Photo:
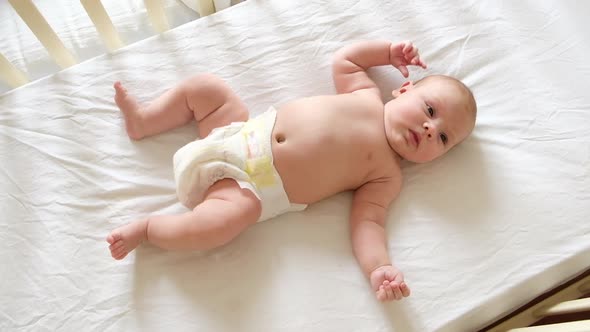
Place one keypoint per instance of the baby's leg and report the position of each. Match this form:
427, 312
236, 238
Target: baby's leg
226, 211
203, 97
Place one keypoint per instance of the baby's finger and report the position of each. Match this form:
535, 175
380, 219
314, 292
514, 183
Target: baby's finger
416, 60
408, 47
405, 289
388, 275
404, 70
381, 296
397, 292
398, 48
389, 292
412, 54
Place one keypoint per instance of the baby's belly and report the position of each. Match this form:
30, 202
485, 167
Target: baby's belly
320, 149
309, 177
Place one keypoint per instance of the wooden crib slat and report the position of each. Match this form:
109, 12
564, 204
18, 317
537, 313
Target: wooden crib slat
566, 307
579, 326
530, 315
37, 23
221, 4
10, 74
205, 7
157, 15
103, 24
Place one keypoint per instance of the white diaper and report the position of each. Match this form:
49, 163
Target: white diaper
239, 151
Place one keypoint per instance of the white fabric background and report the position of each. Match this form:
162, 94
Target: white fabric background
500, 219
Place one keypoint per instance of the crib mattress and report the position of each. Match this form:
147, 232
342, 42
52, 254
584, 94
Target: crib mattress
497, 221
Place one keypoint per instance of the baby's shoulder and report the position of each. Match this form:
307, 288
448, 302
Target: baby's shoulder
389, 173
381, 190
369, 97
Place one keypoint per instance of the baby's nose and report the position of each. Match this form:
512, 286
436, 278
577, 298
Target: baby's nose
429, 129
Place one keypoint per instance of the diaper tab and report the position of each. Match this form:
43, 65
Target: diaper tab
259, 161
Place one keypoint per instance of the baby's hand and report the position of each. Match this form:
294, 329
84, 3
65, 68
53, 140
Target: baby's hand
405, 54
388, 283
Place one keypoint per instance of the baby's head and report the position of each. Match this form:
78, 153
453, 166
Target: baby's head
427, 118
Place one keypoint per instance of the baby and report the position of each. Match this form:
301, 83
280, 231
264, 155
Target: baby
243, 171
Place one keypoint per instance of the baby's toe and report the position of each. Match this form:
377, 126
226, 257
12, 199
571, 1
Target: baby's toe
114, 237
119, 253
119, 87
116, 246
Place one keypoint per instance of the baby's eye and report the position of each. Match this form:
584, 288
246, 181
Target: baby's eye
444, 138
430, 110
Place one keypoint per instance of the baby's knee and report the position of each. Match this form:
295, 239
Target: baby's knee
204, 79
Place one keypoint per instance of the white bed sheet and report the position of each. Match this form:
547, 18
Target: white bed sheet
497, 221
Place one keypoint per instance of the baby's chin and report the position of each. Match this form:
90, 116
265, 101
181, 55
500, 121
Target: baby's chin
416, 159
410, 158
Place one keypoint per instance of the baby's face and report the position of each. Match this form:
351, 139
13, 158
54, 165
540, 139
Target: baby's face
426, 120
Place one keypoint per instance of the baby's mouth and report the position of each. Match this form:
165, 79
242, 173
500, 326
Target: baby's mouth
415, 137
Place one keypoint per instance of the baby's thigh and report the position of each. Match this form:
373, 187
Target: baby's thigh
243, 207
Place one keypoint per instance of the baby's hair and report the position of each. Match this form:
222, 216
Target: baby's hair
471, 104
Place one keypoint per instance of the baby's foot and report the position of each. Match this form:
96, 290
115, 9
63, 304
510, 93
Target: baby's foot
126, 238
131, 111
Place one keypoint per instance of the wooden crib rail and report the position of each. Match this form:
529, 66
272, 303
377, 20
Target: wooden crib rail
37, 23
579, 326
103, 24
567, 307
156, 14
10, 74
571, 298
29, 13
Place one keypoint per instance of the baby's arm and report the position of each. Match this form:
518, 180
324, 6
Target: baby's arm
369, 244
351, 62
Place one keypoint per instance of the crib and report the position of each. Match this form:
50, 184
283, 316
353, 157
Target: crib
492, 237
105, 30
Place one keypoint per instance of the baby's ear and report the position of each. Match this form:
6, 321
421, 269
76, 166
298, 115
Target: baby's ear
402, 89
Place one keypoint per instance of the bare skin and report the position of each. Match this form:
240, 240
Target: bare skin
321, 146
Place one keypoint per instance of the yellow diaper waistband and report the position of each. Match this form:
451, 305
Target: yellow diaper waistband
259, 161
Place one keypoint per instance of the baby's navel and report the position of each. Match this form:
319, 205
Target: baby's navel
280, 138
